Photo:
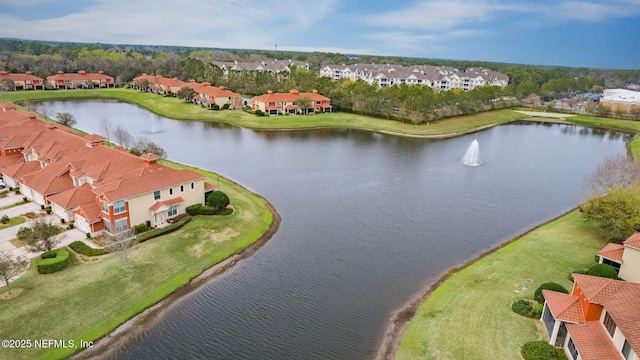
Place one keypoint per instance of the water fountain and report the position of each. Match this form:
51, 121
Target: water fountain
471, 156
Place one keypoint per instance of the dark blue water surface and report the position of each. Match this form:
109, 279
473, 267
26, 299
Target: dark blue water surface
368, 221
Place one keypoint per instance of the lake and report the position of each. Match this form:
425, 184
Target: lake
368, 222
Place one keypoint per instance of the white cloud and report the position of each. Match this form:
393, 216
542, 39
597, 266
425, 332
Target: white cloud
433, 15
221, 23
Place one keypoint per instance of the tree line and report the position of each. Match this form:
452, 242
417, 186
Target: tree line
407, 103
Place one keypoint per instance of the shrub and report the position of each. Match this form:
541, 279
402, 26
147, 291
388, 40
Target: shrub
225, 106
5, 219
48, 209
42, 206
225, 211
258, 112
215, 107
194, 209
16, 190
70, 226
603, 270
526, 308
538, 350
148, 222
49, 254
139, 229
88, 235
208, 210
218, 200
51, 265
62, 220
165, 230
521, 307
536, 312
84, 249
548, 286
24, 198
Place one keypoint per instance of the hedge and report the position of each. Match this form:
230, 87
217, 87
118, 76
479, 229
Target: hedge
53, 264
165, 230
603, 270
140, 228
526, 308
537, 296
84, 249
199, 209
538, 350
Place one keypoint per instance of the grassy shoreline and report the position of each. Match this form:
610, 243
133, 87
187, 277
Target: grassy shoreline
174, 108
476, 298
94, 296
473, 302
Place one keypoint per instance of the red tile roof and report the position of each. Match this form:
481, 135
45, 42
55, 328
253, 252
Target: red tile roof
21, 169
619, 299
91, 212
145, 180
20, 77
633, 240
160, 80
169, 202
593, 342
80, 75
612, 252
564, 307
291, 96
209, 186
72, 198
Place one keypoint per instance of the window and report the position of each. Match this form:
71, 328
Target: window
572, 349
278, 104
107, 225
156, 195
193, 186
627, 351
609, 324
181, 188
318, 102
173, 210
105, 207
121, 225
118, 207
170, 191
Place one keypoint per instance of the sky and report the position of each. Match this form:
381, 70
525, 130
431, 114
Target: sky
577, 33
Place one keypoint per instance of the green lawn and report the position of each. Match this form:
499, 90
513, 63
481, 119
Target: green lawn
13, 222
92, 297
177, 109
469, 315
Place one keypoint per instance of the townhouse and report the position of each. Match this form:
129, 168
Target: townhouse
158, 84
599, 320
272, 66
625, 257
26, 81
101, 189
80, 80
207, 95
437, 77
293, 102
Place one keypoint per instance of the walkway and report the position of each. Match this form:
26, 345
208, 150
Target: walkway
9, 234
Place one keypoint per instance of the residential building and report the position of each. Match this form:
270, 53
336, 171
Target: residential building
207, 95
620, 99
80, 80
624, 258
26, 81
599, 320
159, 84
280, 103
272, 66
98, 187
437, 77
